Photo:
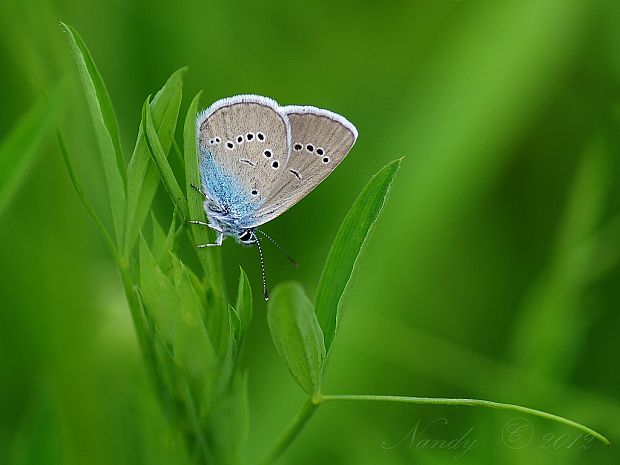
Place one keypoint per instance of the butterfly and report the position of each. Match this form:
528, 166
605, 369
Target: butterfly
257, 159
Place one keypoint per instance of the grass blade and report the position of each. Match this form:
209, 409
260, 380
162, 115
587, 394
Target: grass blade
78, 189
297, 335
347, 246
106, 128
157, 152
210, 258
244, 304
142, 174
18, 150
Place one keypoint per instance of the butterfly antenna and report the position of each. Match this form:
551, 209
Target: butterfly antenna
262, 269
290, 259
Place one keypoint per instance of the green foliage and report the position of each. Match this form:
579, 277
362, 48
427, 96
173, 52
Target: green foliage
18, 149
142, 174
493, 271
106, 129
297, 335
190, 336
156, 150
346, 248
189, 339
244, 305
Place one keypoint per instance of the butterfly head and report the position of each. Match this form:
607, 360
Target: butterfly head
247, 237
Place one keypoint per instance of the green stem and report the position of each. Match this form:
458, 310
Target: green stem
470, 403
291, 432
139, 322
193, 416
296, 425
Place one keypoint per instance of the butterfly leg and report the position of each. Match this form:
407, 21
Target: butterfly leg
199, 222
218, 241
213, 226
199, 190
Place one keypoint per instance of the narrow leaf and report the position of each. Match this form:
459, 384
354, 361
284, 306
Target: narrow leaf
142, 174
346, 248
297, 335
209, 258
106, 128
80, 192
193, 350
161, 301
235, 323
244, 304
157, 152
163, 243
20, 147
229, 422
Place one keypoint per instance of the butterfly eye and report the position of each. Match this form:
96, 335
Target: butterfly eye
249, 136
275, 164
319, 151
267, 153
230, 145
261, 136
297, 147
310, 148
325, 160
239, 139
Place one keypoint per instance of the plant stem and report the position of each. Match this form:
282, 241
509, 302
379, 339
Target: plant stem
296, 425
470, 403
291, 431
139, 323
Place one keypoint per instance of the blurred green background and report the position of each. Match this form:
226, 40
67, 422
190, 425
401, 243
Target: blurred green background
493, 271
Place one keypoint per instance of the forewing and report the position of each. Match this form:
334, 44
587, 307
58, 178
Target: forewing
244, 143
320, 139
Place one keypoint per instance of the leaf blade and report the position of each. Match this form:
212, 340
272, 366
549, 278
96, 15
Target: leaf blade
347, 246
18, 150
209, 258
82, 196
297, 335
106, 128
244, 304
159, 157
142, 175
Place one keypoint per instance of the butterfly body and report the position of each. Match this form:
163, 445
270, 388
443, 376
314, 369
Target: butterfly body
258, 158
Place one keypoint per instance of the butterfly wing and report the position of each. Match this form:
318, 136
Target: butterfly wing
244, 143
320, 139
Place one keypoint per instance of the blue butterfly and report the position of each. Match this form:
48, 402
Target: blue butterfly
257, 159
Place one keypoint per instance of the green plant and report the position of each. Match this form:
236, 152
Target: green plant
189, 332
18, 149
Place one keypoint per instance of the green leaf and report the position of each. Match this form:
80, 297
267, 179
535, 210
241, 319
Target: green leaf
142, 174
193, 351
244, 304
229, 422
106, 128
235, 323
174, 304
157, 152
80, 192
297, 335
209, 258
163, 243
19, 149
346, 248
159, 296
